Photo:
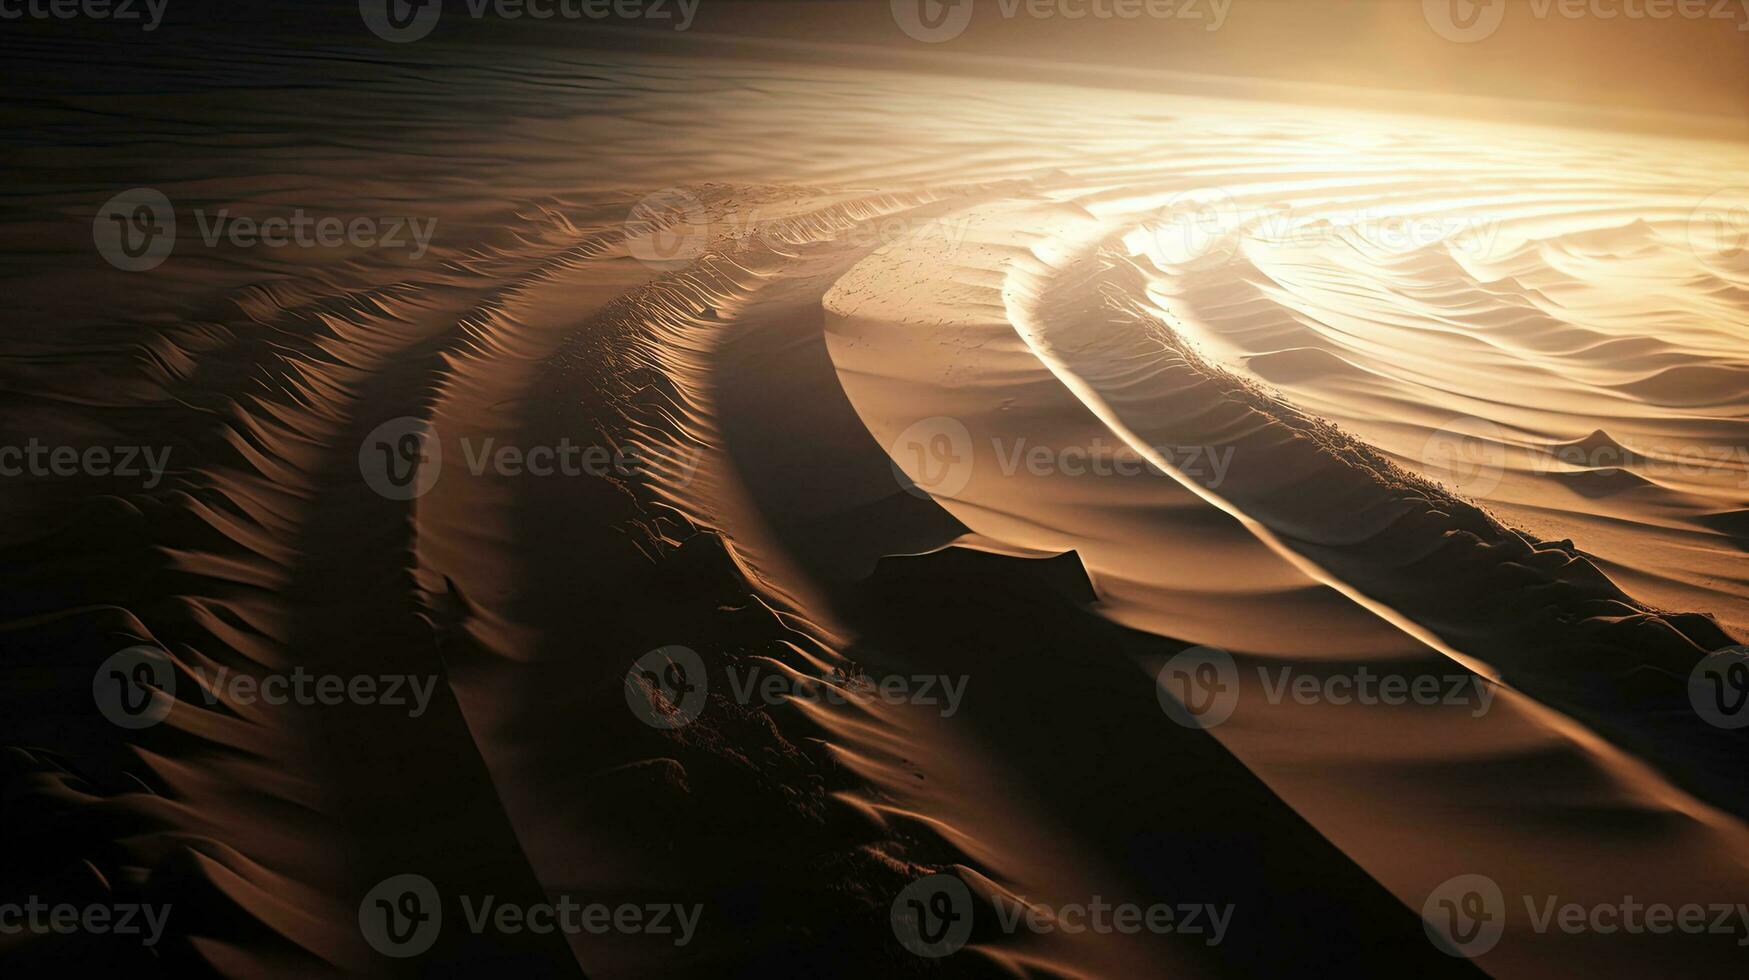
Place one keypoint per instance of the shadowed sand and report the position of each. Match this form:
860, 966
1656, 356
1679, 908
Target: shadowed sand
1283, 320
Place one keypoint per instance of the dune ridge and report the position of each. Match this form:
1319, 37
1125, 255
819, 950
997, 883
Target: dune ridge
1218, 288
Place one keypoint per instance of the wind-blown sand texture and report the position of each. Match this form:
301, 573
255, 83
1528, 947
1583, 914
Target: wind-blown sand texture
816, 261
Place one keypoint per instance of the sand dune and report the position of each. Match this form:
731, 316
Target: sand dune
998, 381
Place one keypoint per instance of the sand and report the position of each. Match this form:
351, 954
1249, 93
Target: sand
1018, 385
